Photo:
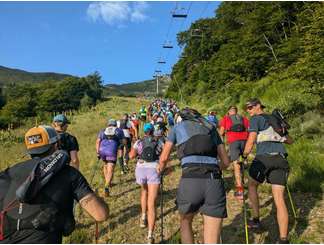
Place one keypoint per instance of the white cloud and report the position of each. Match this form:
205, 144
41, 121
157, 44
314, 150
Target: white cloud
117, 13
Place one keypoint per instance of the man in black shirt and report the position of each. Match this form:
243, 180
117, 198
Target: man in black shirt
36, 196
68, 142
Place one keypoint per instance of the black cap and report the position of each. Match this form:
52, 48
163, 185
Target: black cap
254, 102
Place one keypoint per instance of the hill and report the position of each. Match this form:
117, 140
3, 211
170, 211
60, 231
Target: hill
123, 223
147, 87
9, 75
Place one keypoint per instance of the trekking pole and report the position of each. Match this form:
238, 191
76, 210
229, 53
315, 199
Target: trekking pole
291, 202
91, 180
161, 205
244, 206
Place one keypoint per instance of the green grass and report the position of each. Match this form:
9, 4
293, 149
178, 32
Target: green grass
123, 223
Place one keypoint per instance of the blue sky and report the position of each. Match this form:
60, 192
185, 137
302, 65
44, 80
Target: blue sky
121, 40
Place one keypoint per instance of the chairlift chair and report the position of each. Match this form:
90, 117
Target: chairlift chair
179, 14
161, 62
196, 33
167, 45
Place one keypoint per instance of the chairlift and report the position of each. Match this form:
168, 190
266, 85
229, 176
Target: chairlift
167, 45
179, 14
158, 71
161, 62
196, 33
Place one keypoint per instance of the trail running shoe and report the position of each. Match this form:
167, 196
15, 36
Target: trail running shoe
283, 241
143, 223
254, 224
107, 191
150, 240
239, 193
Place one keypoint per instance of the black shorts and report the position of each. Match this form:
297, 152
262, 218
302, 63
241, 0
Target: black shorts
273, 168
236, 149
205, 195
110, 161
126, 142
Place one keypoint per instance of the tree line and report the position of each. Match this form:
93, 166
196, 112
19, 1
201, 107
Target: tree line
252, 47
18, 102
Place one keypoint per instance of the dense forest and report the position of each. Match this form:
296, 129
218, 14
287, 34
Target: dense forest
23, 100
270, 50
263, 49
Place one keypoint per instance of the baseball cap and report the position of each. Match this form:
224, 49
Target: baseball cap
61, 118
112, 122
39, 139
148, 127
254, 102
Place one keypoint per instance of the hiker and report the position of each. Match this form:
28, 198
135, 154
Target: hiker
108, 141
134, 131
125, 124
148, 150
143, 113
211, 117
201, 187
235, 127
68, 142
36, 196
269, 164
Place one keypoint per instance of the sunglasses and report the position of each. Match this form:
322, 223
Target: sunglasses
248, 108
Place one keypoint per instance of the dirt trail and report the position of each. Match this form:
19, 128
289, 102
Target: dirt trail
123, 224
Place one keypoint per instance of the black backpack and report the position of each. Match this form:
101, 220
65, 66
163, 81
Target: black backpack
193, 115
149, 152
277, 121
237, 123
16, 195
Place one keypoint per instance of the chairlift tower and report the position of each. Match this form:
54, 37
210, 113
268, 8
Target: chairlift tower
157, 72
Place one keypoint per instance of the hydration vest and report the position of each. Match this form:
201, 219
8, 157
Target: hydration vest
149, 149
237, 123
201, 144
109, 144
277, 130
19, 203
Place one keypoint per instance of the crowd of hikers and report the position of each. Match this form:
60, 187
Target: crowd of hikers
37, 196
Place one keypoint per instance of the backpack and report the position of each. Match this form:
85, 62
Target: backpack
193, 115
16, 195
149, 149
237, 123
109, 144
277, 130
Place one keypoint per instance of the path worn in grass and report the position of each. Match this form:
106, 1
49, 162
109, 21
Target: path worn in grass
123, 224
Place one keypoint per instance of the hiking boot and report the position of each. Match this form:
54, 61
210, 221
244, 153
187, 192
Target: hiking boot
143, 223
239, 193
107, 191
150, 240
254, 224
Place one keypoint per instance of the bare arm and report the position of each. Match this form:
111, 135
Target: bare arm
95, 206
132, 153
164, 157
74, 159
221, 131
221, 152
249, 143
97, 145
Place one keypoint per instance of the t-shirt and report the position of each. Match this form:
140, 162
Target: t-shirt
257, 124
68, 142
138, 146
128, 126
184, 130
226, 123
65, 187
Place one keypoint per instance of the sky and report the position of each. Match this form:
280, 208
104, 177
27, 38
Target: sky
121, 40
